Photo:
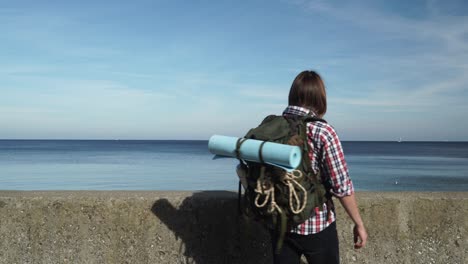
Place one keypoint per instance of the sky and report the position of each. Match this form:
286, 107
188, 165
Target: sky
191, 69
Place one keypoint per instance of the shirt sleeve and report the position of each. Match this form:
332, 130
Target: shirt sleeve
334, 164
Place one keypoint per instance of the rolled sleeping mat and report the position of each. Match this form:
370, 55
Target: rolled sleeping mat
281, 155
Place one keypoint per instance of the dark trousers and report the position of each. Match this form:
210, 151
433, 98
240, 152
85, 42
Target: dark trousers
317, 248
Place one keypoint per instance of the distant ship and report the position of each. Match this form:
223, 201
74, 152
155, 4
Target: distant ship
399, 140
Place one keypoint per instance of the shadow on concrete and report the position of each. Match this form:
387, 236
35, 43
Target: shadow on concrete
212, 231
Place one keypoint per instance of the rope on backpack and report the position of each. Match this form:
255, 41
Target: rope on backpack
266, 188
290, 179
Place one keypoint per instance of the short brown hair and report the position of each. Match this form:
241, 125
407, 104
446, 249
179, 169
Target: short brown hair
308, 90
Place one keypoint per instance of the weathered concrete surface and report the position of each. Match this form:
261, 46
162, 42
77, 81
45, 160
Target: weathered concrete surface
203, 227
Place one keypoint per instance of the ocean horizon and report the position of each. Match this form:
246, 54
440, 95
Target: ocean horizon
138, 164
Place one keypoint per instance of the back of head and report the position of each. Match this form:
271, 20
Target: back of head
308, 90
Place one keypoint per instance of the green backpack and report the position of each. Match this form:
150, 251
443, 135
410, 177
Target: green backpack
276, 198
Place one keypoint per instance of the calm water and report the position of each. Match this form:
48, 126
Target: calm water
187, 165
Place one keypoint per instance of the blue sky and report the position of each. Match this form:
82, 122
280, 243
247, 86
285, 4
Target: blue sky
190, 69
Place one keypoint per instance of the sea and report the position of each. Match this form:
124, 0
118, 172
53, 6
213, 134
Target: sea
188, 165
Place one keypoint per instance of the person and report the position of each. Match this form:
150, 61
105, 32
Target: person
317, 237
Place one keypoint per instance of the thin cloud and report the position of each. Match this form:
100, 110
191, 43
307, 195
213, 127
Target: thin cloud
431, 78
49, 33
262, 93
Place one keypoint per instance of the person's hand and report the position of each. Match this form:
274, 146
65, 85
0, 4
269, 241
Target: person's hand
360, 236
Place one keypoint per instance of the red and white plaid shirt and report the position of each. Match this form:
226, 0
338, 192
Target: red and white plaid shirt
327, 156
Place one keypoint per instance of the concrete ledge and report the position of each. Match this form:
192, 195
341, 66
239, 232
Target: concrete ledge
203, 227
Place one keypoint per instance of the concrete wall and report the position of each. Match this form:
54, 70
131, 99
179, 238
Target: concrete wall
203, 227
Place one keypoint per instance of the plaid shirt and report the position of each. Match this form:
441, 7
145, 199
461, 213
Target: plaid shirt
327, 156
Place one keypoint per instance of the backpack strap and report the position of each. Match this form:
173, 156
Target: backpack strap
238, 145
282, 232
242, 163
260, 149
328, 196
239, 197
310, 118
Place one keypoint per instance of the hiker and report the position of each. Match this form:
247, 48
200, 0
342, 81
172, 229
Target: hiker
316, 238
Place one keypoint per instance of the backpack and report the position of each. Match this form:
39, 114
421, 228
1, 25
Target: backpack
276, 198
